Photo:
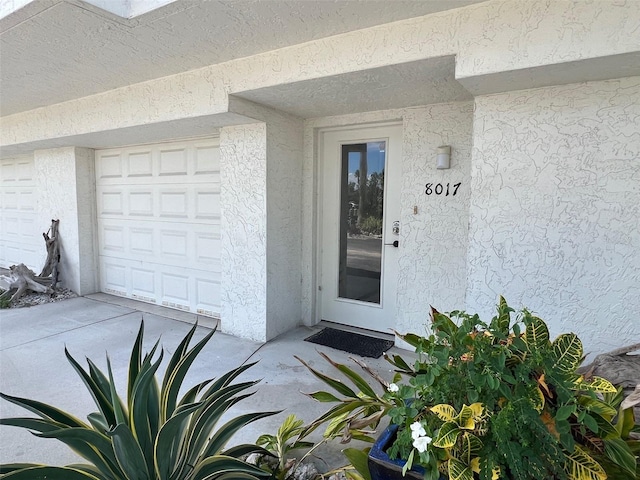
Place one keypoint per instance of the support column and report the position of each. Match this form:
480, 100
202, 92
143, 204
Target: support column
261, 204
243, 202
65, 186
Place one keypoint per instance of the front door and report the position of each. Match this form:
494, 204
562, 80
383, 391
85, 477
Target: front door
360, 226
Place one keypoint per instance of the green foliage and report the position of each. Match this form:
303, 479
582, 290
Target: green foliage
5, 301
541, 419
357, 412
495, 400
357, 468
283, 442
371, 226
152, 434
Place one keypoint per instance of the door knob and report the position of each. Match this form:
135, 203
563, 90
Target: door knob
394, 243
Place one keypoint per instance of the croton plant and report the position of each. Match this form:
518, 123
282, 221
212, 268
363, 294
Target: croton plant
495, 400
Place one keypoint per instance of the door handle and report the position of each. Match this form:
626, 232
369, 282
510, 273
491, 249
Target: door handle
395, 243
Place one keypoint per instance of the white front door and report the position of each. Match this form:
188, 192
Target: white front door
360, 213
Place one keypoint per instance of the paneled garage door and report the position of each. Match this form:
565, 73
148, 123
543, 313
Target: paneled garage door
20, 238
159, 224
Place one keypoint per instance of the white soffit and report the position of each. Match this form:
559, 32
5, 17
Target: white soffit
52, 51
409, 84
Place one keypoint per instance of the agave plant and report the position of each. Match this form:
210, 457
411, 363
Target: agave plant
154, 435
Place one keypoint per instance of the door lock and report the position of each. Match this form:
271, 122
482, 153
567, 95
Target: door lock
395, 229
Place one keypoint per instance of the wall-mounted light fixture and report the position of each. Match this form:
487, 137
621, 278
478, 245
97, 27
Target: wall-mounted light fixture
443, 158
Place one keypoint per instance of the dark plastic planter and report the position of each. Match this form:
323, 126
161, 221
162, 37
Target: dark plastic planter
381, 467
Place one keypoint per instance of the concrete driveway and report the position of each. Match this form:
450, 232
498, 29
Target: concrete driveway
33, 365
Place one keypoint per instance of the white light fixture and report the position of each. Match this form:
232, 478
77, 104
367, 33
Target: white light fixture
443, 158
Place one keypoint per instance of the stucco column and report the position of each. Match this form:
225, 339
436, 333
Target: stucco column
65, 186
261, 173
243, 205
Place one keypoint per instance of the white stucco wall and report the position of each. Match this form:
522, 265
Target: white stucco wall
65, 182
433, 261
284, 193
243, 207
555, 208
490, 37
541, 225
261, 188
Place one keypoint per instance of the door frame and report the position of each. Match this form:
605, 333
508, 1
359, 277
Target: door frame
319, 209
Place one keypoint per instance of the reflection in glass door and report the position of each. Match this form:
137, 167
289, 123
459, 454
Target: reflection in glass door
361, 221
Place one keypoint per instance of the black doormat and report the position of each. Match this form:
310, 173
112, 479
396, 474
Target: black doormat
362, 345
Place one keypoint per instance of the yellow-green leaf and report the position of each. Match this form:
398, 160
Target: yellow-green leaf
580, 466
475, 465
598, 406
470, 447
626, 422
443, 323
567, 351
459, 471
536, 334
596, 384
536, 397
504, 318
466, 419
447, 435
477, 409
444, 412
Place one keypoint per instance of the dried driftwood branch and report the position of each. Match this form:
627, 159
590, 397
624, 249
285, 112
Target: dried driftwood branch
53, 253
617, 366
21, 279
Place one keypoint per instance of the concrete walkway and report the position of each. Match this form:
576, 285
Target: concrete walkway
33, 365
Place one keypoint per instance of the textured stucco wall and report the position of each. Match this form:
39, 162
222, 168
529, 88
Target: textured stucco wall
504, 35
555, 208
65, 182
261, 188
434, 240
433, 262
284, 192
243, 206
494, 36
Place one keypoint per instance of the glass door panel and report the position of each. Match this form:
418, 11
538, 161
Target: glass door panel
361, 221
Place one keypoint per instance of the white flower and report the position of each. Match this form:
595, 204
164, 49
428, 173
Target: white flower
421, 443
393, 388
417, 430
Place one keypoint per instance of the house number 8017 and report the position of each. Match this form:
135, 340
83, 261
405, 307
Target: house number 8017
442, 189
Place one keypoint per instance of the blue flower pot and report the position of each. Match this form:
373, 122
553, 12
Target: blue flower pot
381, 467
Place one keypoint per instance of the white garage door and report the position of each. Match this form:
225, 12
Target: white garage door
159, 224
20, 238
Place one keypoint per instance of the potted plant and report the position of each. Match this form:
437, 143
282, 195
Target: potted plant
498, 400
